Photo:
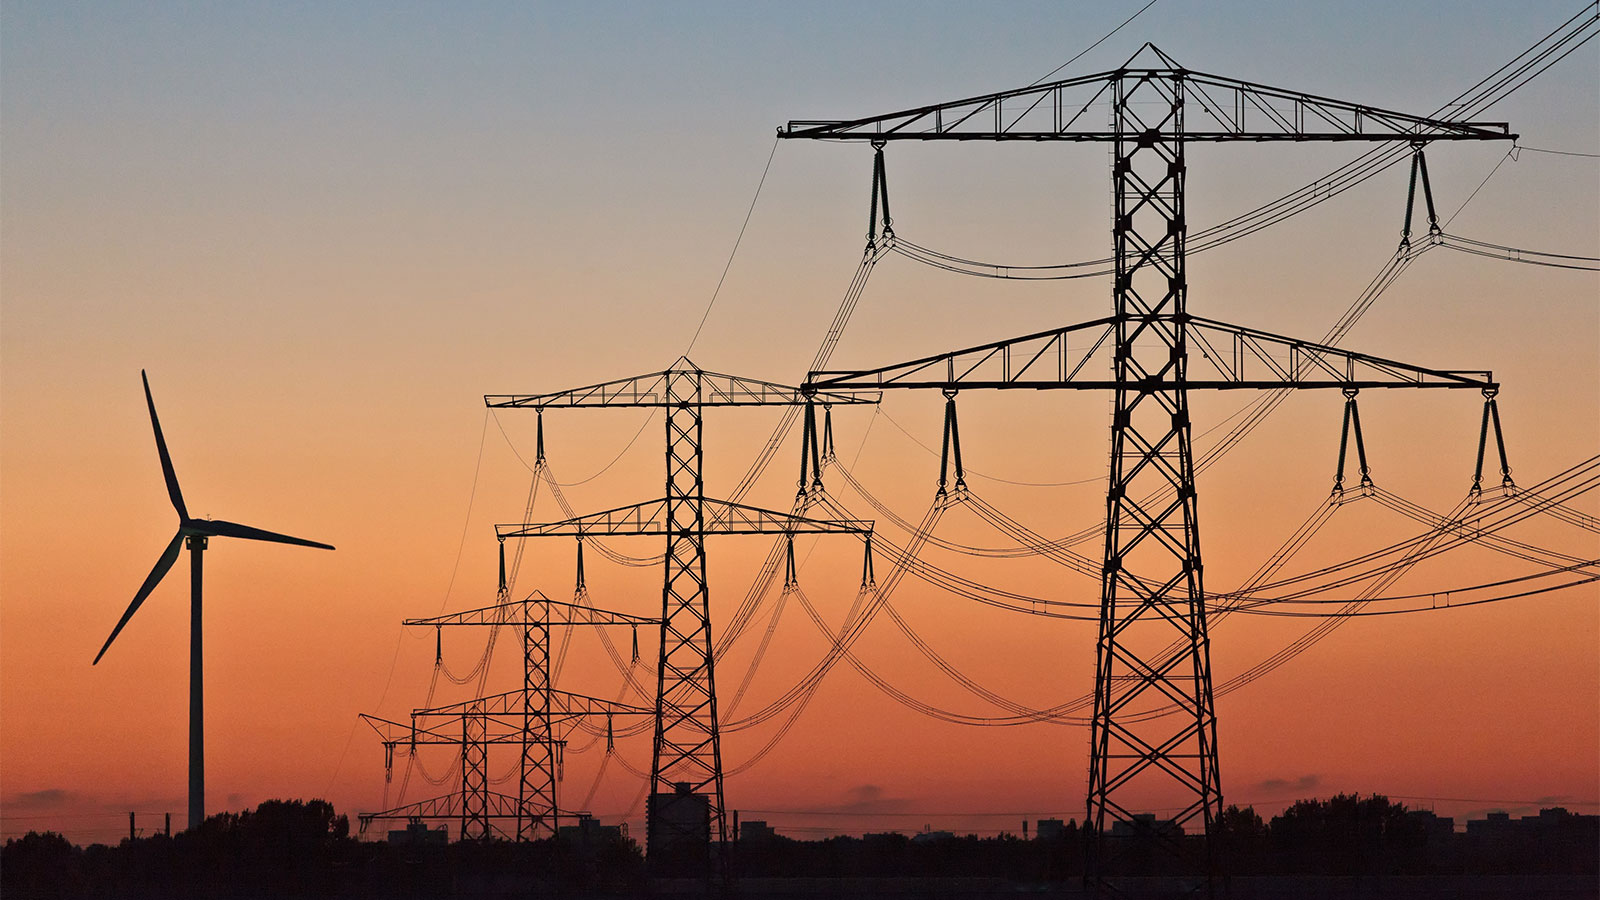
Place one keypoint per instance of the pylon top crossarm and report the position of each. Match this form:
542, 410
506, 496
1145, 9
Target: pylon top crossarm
563, 704
445, 730
1218, 109
391, 732
721, 517
517, 612
1239, 358
447, 806
651, 390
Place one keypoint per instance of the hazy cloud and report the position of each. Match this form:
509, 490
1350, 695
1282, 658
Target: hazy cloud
44, 799
869, 798
1287, 785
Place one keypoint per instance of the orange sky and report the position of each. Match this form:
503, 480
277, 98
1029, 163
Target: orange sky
326, 235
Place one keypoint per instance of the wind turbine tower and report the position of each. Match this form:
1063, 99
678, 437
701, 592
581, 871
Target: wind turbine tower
194, 534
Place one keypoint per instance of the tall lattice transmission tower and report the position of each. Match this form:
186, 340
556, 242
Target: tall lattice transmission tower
1154, 721
686, 763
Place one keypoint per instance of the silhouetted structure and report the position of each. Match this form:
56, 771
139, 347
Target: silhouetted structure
1344, 846
531, 719
754, 831
192, 533
419, 834
688, 744
678, 830
1153, 654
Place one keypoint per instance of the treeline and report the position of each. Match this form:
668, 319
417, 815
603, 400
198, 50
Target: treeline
1343, 835
290, 848
1348, 834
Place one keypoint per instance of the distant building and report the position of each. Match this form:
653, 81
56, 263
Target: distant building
418, 834
1050, 830
1497, 823
1437, 828
678, 823
588, 830
755, 831
1145, 824
1552, 818
932, 837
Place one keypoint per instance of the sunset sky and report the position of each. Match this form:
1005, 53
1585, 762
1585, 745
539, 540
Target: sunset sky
326, 230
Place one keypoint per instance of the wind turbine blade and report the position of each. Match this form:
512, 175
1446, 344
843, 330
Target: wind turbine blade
166, 458
168, 557
220, 528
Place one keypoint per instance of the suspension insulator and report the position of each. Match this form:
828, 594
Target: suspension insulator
1361, 445
502, 565
1411, 198
789, 579
809, 462
1491, 414
1344, 445
867, 579
635, 643
1352, 425
952, 445
581, 584
880, 197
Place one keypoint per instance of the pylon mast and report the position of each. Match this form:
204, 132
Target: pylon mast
1152, 597
529, 718
687, 753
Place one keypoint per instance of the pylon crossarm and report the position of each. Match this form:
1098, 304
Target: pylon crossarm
510, 704
1248, 357
1044, 357
721, 517
535, 609
394, 733
448, 806
1239, 358
444, 729
714, 389
637, 518
1220, 109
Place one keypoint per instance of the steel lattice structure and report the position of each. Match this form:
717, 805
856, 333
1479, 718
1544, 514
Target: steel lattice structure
529, 718
687, 746
1151, 577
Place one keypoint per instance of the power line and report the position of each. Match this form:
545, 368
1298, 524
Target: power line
736, 241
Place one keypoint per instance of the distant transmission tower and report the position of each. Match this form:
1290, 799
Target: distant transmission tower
687, 757
1154, 723
532, 719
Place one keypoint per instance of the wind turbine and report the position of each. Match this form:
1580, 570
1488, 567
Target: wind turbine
194, 533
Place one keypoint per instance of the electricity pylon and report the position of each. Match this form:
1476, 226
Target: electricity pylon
1151, 591
531, 718
687, 750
